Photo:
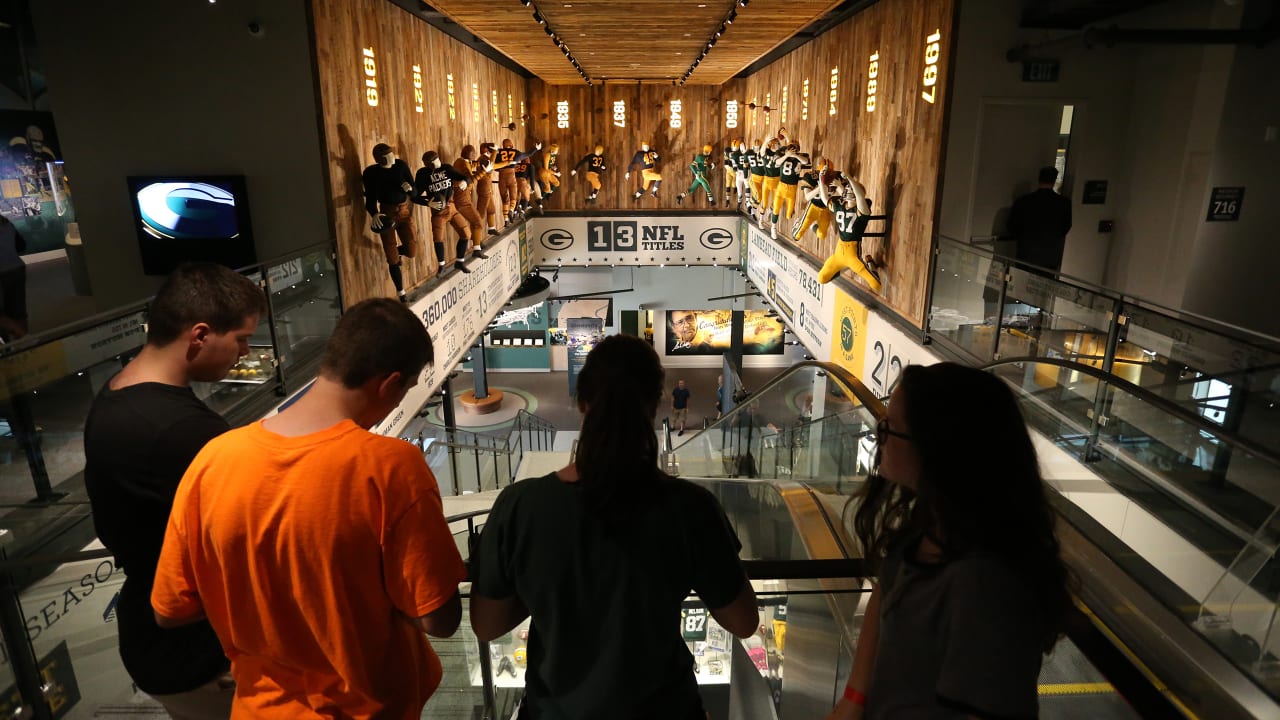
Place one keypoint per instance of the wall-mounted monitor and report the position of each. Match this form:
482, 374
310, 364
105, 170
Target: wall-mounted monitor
191, 218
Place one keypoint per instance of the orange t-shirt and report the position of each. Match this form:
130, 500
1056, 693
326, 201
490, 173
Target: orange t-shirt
308, 554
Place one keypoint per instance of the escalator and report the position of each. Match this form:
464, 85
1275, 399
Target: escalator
1175, 587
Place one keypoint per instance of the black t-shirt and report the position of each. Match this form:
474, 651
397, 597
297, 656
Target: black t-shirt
138, 442
680, 398
385, 186
605, 599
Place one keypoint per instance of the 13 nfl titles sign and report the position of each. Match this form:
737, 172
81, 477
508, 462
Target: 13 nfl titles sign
791, 286
633, 240
455, 313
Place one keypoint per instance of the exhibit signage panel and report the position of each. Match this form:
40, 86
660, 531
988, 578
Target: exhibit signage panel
455, 312
889, 350
849, 331
633, 240
791, 286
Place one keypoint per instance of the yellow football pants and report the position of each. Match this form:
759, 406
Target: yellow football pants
815, 215
846, 258
757, 187
767, 188
730, 179
784, 195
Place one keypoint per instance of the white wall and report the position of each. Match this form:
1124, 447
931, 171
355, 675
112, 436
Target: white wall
1145, 117
155, 87
1234, 271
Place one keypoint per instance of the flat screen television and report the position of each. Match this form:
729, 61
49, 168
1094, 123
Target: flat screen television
191, 218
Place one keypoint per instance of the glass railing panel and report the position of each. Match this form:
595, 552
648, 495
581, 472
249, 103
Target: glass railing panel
70, 622
1189, 514
803, 425
1224, 379
966, 295
1046, 317
305, 305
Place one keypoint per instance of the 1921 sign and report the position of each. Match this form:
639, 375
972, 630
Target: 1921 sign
1224, 204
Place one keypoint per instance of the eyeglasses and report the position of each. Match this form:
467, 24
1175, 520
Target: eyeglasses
883, 431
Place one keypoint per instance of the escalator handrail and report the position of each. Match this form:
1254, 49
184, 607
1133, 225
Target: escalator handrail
1243, 334
1162, 403
851, 383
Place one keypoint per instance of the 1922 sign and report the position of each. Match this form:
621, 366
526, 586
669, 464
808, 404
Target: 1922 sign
1224, 204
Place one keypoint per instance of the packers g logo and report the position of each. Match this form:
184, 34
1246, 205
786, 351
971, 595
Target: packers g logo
556, 239
847, 334
716, 239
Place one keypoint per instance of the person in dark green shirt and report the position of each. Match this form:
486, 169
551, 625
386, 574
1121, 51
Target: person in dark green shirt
601, 555
699, 167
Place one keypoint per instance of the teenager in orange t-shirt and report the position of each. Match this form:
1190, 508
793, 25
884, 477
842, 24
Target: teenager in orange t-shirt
316, 549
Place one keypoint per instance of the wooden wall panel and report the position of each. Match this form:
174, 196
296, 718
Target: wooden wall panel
648, 114
352, 126
895, 151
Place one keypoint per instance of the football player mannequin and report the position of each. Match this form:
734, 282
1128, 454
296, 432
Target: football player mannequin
388, 186
700, 166
791, 166
549, 170
772, 155
730, 169
851, 211
755, 165
437, 183
524, 188
476, 178
505, 160
647, 161
817, 189
493, 210
595, 164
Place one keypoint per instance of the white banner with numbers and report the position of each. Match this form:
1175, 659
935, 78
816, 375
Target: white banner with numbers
633, 240
455, 312
791, 287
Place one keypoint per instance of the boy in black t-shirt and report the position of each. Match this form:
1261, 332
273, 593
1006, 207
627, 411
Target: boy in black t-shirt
143, 430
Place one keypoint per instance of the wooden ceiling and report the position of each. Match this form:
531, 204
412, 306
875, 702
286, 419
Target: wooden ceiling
647, 40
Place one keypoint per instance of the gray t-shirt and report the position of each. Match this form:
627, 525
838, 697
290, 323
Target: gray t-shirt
956, 639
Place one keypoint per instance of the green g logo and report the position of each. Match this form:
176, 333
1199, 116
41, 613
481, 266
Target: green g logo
846, 333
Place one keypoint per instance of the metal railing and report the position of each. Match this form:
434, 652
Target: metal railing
469, 462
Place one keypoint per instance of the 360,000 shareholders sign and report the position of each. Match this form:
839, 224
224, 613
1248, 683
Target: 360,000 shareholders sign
633, 240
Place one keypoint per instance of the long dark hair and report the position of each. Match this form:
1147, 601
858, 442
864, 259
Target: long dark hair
979, 487
619, 388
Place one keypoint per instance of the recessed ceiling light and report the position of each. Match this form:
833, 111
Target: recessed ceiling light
702, 4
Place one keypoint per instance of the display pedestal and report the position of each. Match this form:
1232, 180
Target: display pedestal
480, 406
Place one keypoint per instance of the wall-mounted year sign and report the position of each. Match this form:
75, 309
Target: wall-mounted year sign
676, 120
731, 114
562, 114
835, 87
417, 90
453, 102
370, 68
932, 53
873, 73
620, 113
804, 100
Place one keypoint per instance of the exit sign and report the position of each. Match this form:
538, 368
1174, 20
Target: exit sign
1039, 71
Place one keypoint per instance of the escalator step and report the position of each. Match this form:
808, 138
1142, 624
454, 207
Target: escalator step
1084, 688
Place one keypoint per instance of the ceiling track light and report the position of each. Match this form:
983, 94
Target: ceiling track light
525, 2
549, 31
537, 17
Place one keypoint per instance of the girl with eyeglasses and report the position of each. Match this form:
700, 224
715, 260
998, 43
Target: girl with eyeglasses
971, 589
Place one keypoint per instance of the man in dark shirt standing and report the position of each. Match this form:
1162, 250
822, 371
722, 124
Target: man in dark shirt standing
680, 404
143, 430
1039, 222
